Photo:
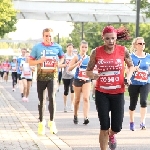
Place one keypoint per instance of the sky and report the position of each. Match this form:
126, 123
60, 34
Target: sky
32, 29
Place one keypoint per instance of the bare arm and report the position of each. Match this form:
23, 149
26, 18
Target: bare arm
61, 61
91, 65
33, 62
73, 63
128, 61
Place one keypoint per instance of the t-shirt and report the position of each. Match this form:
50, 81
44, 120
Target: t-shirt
26, 70
53, 53
141, 76
13, 67
6, 66
19, 59
67, 74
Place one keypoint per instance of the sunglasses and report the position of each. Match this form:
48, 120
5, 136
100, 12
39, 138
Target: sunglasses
141, 43
47, 35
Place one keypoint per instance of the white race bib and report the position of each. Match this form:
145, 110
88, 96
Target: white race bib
82, 74
49, 63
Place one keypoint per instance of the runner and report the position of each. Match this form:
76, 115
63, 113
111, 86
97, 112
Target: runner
26, 76
46, 55
13, 68
67, 77
82, 83
1, 71
6, 67
139, 81
109, 94
19, 59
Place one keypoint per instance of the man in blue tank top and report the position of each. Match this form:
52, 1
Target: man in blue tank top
47, 56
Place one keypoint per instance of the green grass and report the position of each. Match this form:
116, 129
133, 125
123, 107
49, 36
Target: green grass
127, 94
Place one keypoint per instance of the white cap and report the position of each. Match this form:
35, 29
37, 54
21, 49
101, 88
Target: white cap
14, 57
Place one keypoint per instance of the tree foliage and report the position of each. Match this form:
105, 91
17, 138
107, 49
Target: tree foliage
92, 34
144, 5
7, 17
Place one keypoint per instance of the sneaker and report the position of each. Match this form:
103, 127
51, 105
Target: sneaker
132, 127
75, 120
93, 96
52, 126
41, 127
142, 126
13, 90
86, 121
24, 99
112, 142
22, 95
72, 107
65, 109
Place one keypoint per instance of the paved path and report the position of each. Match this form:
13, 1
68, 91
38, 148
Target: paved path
18, 126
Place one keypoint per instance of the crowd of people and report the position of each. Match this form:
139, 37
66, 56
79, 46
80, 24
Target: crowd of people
107, 71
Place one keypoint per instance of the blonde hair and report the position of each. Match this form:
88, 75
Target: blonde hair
132, 48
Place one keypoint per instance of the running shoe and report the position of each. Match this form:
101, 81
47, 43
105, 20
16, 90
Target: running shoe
41, 127
132, 127
72, 107
86, 121
93, 96
112, 142
75, 120
65, 109
13, 90
142, 126
52, 126
24, 99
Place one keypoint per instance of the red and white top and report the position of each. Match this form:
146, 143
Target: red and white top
111, 70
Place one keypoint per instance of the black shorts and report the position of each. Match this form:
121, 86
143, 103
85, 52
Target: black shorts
1, 74
135, 91
19, 76
79, 83
26, 79
106, 103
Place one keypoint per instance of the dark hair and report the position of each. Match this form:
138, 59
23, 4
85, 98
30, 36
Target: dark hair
122, 32
47, 30
70, 44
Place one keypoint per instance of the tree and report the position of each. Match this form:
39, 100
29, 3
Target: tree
7, 17
145, 6
92, 34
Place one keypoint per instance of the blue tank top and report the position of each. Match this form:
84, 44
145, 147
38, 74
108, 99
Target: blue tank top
141, 76
81, 70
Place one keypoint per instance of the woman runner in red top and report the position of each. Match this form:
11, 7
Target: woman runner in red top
109, 94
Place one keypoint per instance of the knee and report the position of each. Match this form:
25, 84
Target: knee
66, 91
132, 108
85, 99
77, 100
143, 104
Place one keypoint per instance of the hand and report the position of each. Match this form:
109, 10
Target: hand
96, 76
43, 59
79, 62
136, 68
127, 81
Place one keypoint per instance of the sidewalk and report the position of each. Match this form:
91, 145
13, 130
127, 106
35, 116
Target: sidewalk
70, 136
14, 131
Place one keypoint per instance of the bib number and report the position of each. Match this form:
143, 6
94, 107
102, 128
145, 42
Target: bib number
82, 74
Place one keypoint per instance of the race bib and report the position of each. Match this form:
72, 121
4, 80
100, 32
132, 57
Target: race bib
68, 61
14, 68
49, 63
141, 75
27, 73
82, 74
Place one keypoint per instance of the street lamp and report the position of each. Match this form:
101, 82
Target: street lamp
138, 2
